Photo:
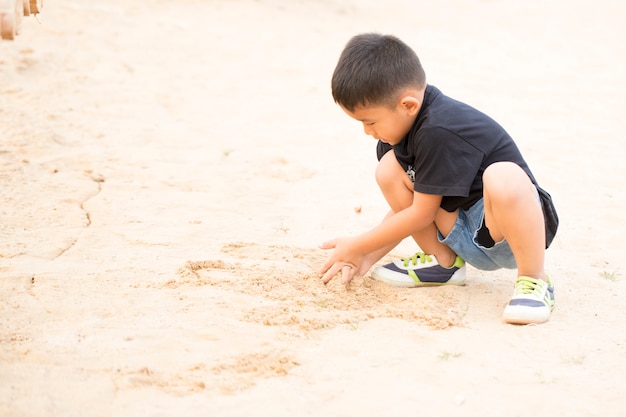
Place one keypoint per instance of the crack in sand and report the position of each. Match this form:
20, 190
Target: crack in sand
98, 179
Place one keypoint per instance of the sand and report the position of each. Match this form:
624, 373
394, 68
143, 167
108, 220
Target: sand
168, 169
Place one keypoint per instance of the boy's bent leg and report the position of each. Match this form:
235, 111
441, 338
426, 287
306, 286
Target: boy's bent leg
438, 264
397, 189
513, 212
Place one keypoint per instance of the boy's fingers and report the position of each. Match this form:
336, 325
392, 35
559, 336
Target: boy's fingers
331, 272
347, 273
330, 260
329, 263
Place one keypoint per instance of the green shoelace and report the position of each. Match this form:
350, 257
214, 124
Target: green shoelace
417, 258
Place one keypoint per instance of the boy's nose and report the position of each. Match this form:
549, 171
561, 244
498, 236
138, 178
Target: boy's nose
368, 130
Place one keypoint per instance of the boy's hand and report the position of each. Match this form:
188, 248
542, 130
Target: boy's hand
344, 259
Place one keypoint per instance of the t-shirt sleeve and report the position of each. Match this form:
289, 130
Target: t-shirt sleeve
445, 164
382, 148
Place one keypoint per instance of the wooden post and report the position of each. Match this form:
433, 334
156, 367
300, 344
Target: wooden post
11, 13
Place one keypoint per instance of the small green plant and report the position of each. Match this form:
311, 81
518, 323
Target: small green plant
611, 276
575, 359
444, 356
546, 380
323, 303
282, 227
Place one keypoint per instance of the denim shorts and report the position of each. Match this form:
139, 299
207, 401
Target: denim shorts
463, 240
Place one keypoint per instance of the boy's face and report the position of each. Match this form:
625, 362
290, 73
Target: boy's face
384, 123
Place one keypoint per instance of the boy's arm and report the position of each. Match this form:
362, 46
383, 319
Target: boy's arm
402, 224
351, 251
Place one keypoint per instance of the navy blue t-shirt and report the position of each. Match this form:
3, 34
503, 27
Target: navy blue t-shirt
448, 149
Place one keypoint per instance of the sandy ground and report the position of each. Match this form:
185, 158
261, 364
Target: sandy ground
167, 170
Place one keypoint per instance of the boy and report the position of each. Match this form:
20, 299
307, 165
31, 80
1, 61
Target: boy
453, 178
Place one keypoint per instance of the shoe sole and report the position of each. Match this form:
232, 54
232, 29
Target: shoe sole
522, 315
413, 284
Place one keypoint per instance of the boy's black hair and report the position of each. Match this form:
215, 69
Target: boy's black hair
372, 69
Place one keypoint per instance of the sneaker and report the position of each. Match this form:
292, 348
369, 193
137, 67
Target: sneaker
532, 301
420, 270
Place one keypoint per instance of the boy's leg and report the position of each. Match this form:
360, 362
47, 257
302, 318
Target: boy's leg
397, 189
513, 212
438, 264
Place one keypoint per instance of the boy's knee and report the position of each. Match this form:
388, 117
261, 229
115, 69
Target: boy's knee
382, 175
388, 170
506, 181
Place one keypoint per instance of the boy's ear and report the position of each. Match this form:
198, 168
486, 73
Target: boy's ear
410, 104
